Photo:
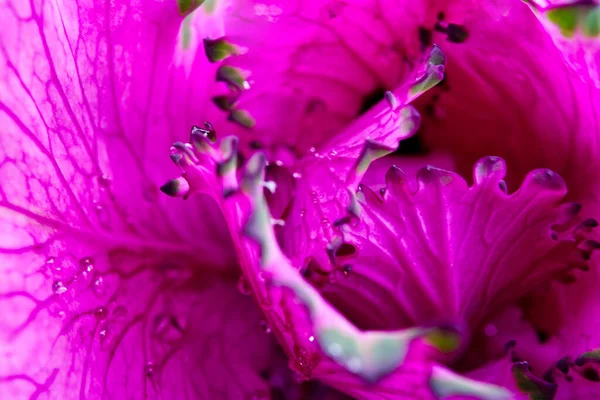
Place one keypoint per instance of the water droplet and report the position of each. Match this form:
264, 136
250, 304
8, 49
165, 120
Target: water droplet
346, 269
167, 328
55, 310
101, 313
103, 181
102, 215
311, 339
149, 369
297, 175
312, 150
263, 276
103, 335
302, 212
325, 223
314, 197
265, 326
98, 287
86, 264
59, 288
161, 323
53, 264
243, 286
333, 153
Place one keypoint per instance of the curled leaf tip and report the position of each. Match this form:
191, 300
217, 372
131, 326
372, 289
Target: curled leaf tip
446, 384
233, 76
432, 74
185, 7
531, 385
242, 118
220, 49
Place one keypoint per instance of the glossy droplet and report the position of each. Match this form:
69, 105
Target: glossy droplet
297, 175
150, 369
325, 223
161, 324
102, 215
86, 264
103, 335
101, 313
98, 286
302, 212
103, 181
53, 264
167, 328
265, 326
58, 287
314, 197
346, 269
311, 339
243, 286
262, 275
55, 310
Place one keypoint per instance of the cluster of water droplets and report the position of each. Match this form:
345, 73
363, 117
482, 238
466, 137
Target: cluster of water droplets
86, 274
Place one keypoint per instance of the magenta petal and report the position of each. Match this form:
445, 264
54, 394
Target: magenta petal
322, 344
309, 69
510, 93
410, 165
105, 283
126, 326
326, 173
450, 251
574, 27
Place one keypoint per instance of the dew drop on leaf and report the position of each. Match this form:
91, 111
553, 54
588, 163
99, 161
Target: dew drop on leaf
101, 313
98, 286
149, 369
103, 181
58, 287
103, 334
265, 326
86, 264
53, 264
102, 215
